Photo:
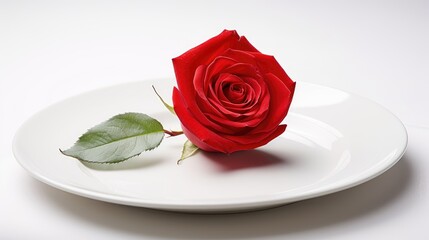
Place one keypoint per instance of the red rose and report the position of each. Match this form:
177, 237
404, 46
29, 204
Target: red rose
230, 96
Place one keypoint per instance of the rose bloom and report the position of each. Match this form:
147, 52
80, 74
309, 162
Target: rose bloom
230, 96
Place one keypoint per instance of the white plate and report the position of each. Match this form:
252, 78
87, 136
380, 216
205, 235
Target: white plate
334, 140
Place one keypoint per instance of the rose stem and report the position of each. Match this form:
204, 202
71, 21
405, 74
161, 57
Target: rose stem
173, 133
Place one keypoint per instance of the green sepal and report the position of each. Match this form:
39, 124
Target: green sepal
168, 106
188, 150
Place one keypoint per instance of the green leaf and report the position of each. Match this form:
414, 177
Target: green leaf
168, 106
119, 138
189, 149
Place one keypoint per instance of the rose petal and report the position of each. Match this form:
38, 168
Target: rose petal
198, 134
196, 104
254, 108
217, 94
245, 45
215, 68
256, 140
270, 65
203, 54
195, 110
242, 70
253, 95
236, 123
280, 99
241, 56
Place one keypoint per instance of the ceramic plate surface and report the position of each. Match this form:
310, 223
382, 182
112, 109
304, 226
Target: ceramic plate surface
334, 141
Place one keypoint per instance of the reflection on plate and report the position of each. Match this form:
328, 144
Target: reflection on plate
334, 141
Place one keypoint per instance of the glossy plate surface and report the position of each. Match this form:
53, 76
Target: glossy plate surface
334, 141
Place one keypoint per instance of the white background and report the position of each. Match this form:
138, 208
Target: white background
51, 50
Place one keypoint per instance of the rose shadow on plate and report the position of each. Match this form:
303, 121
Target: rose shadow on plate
244, 159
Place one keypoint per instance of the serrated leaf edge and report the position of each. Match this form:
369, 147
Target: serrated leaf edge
111, 162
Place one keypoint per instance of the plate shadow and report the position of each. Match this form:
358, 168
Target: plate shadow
360, 202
